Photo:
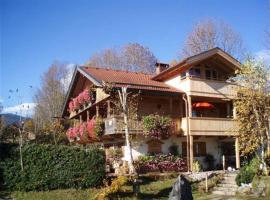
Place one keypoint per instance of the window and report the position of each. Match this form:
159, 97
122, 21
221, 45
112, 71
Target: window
154, 146
211, 74
208, 74
195, 72
199, 149
183, 75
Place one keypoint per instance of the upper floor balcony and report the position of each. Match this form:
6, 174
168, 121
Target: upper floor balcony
209, 126
115, 125
208, 88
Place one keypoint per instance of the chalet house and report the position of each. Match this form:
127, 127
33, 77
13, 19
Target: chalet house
195, 93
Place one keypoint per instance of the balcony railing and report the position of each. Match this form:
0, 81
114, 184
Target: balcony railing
208, 88
210, 126
115, 125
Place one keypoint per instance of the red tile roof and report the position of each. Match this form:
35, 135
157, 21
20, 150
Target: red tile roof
136, 80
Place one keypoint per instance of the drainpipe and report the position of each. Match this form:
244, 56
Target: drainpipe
187, 121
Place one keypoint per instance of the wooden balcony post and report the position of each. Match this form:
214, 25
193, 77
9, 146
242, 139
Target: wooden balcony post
108, 108
191, 152
87, 113
171, 106
228, 109
189, 106
237, 154
80, 118
97, 111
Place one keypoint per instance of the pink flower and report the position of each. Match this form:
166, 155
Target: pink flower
76, 103
82, 129
81, 99
71, 106
90, 128
75, 132
86, 95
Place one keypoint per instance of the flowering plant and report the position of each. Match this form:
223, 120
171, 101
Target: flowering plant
160, 163
157, 126
76, 103
90, 125
71, 106
83, 98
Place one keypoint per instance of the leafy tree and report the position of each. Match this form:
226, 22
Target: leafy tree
131, 57
253, 107
49, 99
208, 34
126, 104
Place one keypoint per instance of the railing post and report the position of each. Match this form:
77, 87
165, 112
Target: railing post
223, 162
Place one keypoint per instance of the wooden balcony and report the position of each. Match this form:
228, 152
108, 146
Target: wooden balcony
210, 126
115, 125
208, 88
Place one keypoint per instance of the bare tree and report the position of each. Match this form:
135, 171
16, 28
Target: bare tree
132, 57
50, 97
208, 34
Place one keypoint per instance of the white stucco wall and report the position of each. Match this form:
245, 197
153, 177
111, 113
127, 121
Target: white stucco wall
140, 147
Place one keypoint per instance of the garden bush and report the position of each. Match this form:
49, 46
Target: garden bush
248, 171
48, 167
160, 163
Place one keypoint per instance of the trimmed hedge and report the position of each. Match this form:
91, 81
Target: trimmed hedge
48, 167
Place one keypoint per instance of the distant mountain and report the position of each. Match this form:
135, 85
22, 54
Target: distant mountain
12, 118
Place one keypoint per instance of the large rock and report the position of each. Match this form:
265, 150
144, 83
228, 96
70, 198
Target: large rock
181, 189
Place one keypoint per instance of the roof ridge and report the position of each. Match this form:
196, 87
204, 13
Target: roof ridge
117, 70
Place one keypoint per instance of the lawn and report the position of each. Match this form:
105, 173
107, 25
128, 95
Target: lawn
150, 189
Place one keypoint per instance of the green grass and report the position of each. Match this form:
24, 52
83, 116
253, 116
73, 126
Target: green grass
67, 194
150, 189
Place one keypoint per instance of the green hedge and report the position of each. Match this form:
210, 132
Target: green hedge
49, 167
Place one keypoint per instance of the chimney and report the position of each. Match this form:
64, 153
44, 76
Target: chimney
160, 67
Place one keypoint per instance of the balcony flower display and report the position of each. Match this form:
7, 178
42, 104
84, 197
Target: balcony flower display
83, 99
80, 98
90, 125
156, 126
71, 106
76, 103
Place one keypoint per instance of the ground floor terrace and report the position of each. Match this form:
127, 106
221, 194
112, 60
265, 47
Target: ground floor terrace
209, 151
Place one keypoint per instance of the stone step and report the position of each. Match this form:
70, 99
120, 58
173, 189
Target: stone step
227, 185
225, 193
230, 175
226, 189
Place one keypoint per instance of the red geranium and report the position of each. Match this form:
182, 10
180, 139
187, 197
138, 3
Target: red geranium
86, 95
76, 103
81, 99
90, 128
71, 106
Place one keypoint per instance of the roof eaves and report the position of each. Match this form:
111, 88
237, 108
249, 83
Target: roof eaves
69, 91
90, 77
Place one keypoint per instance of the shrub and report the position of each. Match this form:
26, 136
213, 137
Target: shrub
196, 166
160, 163
49, 167
113, 188
248, 171
209, 159
99, 127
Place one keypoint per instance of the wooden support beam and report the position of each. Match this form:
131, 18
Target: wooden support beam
97, 111
108, 108
171, 105
191, 151
87, 113
237, 154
